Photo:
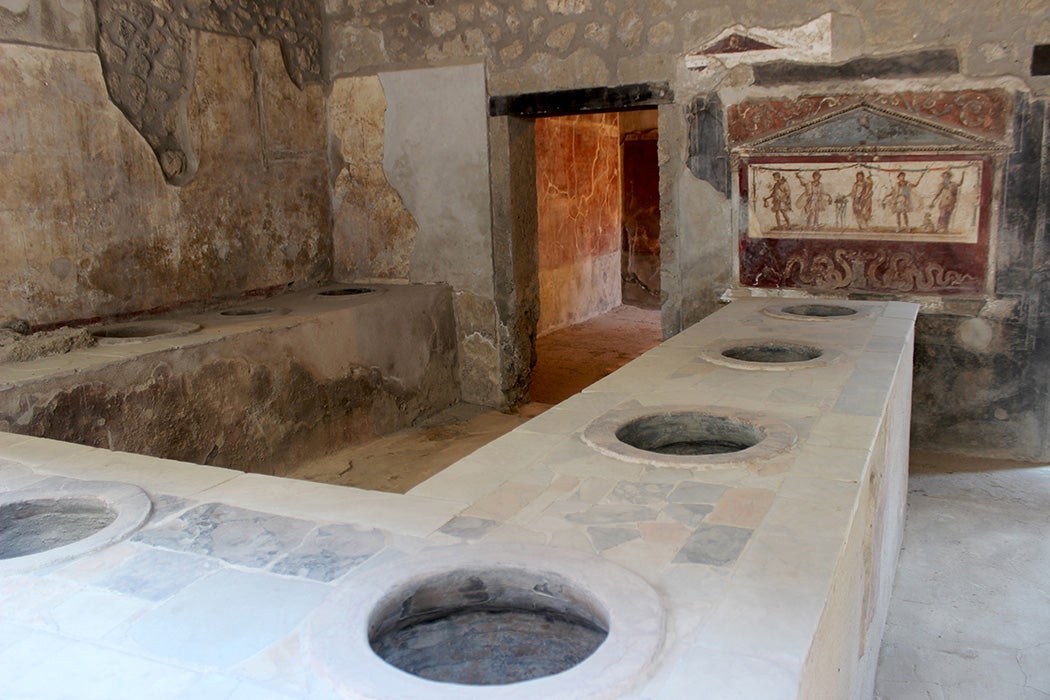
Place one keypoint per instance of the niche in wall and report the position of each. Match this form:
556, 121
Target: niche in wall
873, 193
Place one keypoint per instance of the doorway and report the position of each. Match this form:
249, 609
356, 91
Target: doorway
598, 237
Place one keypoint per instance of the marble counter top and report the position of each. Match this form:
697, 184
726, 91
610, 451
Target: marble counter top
216, 595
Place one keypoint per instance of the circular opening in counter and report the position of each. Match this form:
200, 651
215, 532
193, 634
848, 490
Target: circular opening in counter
250, 311
601, 623
772, 352
345, 292
689, 433
689, 437
815, 311
487, 627
142, 330
43, 526
40, 525
819, 310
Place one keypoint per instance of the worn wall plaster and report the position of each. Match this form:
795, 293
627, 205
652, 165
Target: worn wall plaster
147, 51
94, 230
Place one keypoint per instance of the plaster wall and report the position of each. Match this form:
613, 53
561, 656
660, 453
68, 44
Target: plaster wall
89, 225
579, 218
436, 157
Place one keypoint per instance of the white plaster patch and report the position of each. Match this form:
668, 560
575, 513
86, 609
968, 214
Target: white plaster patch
810, 42
975, 334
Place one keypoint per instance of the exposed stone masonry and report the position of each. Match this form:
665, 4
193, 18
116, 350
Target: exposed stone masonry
148, 49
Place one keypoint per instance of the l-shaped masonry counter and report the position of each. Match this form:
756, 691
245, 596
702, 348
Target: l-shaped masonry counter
760, 571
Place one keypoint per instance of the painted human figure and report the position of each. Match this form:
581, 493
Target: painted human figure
900, 199
813, 199
779, 200
946, 199
861, 196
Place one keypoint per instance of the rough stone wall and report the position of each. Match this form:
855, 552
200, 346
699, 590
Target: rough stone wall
532, 45
94, 230
579, 215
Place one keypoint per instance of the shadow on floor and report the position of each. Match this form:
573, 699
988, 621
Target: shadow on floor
570, 359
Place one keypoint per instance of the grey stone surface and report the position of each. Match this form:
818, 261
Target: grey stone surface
165, 505
696, 492
262, 399
689, 514
717, 545
468, 527
605, 538
639, 493
330, 551
156, 574
708, 154
608, 513
235, 535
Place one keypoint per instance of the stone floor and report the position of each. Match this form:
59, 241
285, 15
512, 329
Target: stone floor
970, 614
569, 359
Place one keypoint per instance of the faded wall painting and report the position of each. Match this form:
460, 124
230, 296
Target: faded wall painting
904, 201
866, 198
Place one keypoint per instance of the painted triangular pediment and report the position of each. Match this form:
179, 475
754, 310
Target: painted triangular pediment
809, 42
736, 42
869, 128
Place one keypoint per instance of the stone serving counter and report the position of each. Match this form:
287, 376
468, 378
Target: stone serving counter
255, 386
757, 567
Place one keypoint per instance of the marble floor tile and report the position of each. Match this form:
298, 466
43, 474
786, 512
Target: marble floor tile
235, 535
156, 574
92, 613
468, 527
330, 551
607, 514
86, 672
715, 545
742, 507
605, 537
639, 493
505, 502
226, 618
696, 492
688, 514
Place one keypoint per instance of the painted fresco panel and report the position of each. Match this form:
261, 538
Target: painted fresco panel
869, 198
929, 235
909, 202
